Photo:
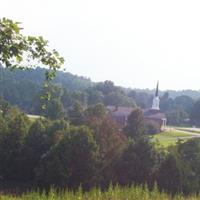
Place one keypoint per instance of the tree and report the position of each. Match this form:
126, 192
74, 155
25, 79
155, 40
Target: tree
111, 142
138, 163
184, 102
106, 87
11, 143
176, 116
21, 52
118, 98
195, 114
54, 109
76, 113
166, 103
71, 162
4, 106
94, 96
97, 110
182, 163
15, 49
135, 124
169, 176
190, 156
36, 144
142, 99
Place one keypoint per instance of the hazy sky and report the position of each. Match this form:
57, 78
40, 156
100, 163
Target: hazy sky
131, 42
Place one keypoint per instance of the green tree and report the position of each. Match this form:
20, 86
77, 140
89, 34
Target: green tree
106, 87
12, 142
111, 142
176, 116
195, 114
135, 124
166, 103
190, 156
138, 163
54, 109
36, 144
23, 52
94, 96
169, 176
71, 162
98, 110
184, 102
18, 51
76, 113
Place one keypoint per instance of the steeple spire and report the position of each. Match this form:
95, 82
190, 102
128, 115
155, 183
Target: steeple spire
156, 93
156, 100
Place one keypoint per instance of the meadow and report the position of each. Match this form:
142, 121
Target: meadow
113, 193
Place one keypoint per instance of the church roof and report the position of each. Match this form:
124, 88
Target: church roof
120, 110
154, 114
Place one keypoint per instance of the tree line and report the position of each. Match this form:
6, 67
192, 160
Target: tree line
91, 152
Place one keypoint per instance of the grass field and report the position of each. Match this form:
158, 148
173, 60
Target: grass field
170, 137
116, 193
192, 130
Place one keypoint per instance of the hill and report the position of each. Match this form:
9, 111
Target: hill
23, 88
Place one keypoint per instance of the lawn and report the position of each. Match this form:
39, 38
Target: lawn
170, 137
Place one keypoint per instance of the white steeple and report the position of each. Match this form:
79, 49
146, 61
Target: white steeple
156, 100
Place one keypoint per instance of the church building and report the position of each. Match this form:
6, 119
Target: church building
121, 113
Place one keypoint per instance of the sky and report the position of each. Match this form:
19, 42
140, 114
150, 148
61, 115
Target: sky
133, 43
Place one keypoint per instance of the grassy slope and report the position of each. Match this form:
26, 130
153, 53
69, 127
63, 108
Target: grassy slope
117, 193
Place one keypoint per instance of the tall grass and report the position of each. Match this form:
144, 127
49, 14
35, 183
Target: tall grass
113, 193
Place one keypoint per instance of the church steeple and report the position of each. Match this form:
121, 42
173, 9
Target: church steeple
156, 100
156, 93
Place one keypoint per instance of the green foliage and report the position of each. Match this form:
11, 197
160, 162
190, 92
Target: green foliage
169, 176
98, 110
76, 113
176, 117
71, 162
170, 138
16, 125
138, 163
142, 99
111, 144
184, 102
135, 124
166, 103
54, 109
18, 51
24, 52
195, 114
182, 164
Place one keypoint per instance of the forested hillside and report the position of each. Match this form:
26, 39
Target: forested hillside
24, 89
